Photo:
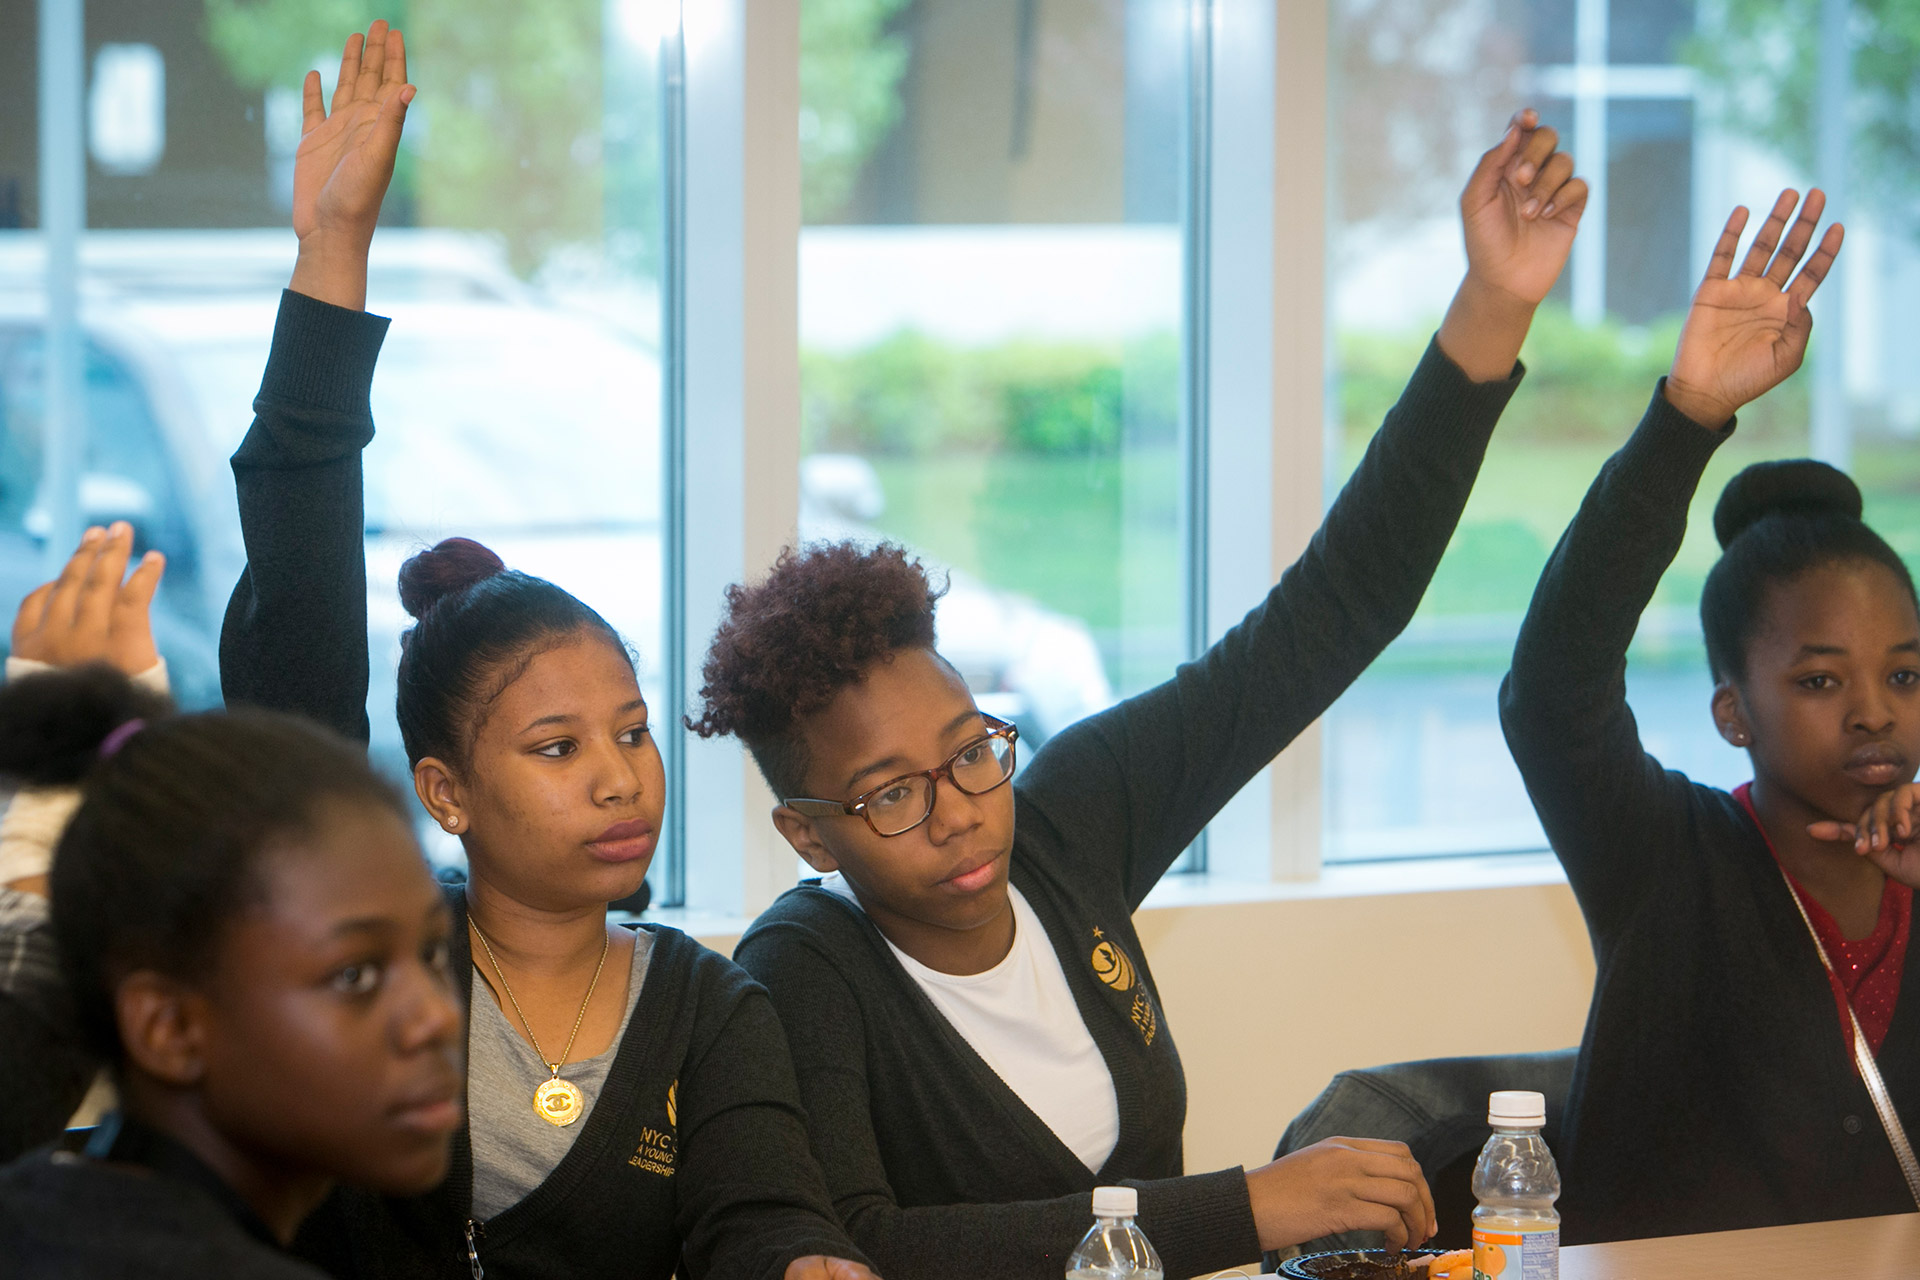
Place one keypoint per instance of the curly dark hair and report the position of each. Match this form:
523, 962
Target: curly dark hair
825, 615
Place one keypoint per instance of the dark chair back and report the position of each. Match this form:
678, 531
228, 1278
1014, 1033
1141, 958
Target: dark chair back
1439, 1109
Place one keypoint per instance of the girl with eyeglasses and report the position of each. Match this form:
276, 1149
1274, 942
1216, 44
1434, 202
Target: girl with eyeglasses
1753, 944
978, 1035
632, 1107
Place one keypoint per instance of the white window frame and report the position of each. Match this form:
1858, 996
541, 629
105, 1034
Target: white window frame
1266, 381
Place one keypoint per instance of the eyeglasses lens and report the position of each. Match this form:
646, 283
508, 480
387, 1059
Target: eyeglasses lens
902, 805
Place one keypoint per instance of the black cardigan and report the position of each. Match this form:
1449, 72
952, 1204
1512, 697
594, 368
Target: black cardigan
727, 1176
696, 1144
1714, 1088
938, 1168
136, 1203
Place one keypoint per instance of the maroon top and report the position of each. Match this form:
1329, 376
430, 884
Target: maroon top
1867, 971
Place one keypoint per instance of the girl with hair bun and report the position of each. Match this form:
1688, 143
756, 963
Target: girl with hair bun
1752, 946
631, 1105
251, 940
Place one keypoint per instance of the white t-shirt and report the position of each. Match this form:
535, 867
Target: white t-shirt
1019, 1016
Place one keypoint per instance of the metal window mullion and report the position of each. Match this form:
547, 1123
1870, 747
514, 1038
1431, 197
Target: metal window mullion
1195, 226
673, 419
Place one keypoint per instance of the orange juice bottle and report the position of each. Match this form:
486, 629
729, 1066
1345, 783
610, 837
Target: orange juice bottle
1516, 1229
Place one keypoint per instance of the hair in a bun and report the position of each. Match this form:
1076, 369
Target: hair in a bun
1776, 521
477, 622
1788, 486
173, 821
446, 568
53, 725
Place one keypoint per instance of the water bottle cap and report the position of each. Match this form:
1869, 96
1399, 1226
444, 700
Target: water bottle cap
1115, 1202
1516, 1109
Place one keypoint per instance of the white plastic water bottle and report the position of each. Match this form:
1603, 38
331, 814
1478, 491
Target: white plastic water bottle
1516, 1229
1115, 1248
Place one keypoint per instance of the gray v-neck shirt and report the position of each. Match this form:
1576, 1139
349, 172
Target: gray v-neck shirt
514, 1149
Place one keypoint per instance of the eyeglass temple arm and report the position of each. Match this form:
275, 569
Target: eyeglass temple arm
818, 808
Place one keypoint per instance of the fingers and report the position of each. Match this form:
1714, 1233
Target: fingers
312, 113
391, 120
396, 68
1761, 250
1392, 1177
1568, 203
1552, 175
1721, 264
93, 615
1818, 265
349, 71
1485, 181
63, 602
33, 611
373, 59
1833, 831
818, 1267
1539, 144
1887, 823
135, 600
1798, 237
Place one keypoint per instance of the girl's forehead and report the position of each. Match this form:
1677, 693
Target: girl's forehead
1858, 605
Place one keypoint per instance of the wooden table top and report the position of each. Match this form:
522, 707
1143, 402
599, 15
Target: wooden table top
1857, 1249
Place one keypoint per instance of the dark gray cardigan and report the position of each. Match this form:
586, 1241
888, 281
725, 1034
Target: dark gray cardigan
937, 1167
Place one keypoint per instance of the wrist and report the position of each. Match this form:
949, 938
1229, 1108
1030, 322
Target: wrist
1496, 299
1484, 329
1696, 405
332, 267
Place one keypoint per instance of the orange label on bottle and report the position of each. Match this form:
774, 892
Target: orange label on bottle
1516, 1255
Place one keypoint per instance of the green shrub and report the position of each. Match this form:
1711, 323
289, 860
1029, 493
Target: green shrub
910, 394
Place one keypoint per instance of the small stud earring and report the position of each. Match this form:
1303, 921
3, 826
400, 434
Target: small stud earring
453, 823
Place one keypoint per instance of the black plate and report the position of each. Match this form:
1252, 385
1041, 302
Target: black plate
1328, 1266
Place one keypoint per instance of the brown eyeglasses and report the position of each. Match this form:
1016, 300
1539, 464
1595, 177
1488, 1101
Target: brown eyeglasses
900, 804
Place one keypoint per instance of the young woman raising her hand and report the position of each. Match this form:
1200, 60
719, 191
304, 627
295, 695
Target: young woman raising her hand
977, 1032
631, 1103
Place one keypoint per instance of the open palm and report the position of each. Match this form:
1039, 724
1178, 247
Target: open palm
345, 160
1747, 331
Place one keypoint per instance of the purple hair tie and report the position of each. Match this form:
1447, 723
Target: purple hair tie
118, 738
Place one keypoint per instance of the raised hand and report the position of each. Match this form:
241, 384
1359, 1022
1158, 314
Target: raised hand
1747, 331
1342, 1184
1884, 835
88, 614
1519, 212
345, 161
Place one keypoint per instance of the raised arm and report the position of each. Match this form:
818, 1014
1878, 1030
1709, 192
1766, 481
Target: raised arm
295, 635
1564, 705
1144, 777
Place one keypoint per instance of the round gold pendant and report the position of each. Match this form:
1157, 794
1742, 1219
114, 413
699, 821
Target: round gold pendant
558, 1102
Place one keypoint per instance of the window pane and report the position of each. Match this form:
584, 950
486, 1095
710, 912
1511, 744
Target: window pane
991, 326
1415, 761
518, 393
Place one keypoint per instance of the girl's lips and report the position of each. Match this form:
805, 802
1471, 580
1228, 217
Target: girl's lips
1875, 773
624, 841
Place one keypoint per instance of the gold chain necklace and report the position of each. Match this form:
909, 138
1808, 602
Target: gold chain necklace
558, 1102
